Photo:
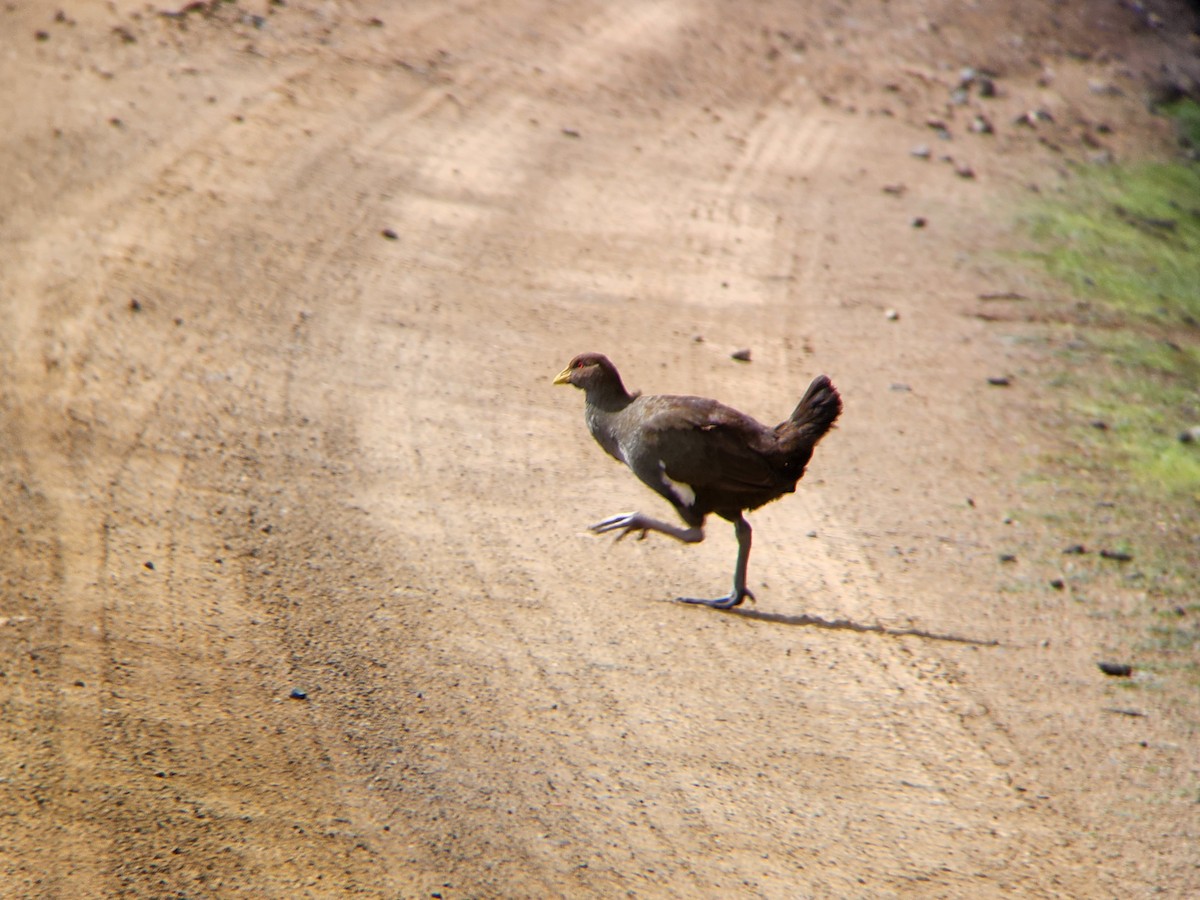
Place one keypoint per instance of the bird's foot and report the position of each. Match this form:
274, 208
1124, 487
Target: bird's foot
734, 598
627, 522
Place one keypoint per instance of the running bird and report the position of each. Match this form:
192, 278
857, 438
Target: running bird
700, 455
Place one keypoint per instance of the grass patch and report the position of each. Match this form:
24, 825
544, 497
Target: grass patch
1124, 242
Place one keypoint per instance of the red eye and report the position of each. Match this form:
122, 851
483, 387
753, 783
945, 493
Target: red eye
579, 364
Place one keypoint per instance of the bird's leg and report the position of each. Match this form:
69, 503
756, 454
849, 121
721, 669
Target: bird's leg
740, 592
635, 521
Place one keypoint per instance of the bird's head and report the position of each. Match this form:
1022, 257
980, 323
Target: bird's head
587, 371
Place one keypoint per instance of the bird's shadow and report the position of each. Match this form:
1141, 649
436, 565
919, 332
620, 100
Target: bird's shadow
850, 625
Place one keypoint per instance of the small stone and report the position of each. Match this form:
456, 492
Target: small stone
891, 315
1116, 670
982, 125
1190, 436
919, 222
390, 234
999, 380
1116, 555
742, 355
298, 694
1099, 424
148, 565
1076, 549
921, 151
900, 387
962, 170
1008, 557
1057, 583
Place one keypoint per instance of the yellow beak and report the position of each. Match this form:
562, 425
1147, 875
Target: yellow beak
563, 377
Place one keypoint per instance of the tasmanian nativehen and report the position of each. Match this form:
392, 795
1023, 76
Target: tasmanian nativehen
700, 455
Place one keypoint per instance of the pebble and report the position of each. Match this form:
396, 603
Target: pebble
1057, 583
1116, 555
390, 234
982, 125
298, 694
1117, 670
891, 315
1190, 436
921, 151
742, 355
999, 380
919, 222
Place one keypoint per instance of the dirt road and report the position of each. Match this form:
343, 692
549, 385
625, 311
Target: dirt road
298, 596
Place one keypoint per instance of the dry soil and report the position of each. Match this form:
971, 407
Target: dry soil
298, 594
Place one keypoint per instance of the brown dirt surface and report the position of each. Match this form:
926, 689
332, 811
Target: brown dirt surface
298, 596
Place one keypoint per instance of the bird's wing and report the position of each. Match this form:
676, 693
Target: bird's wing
705, 444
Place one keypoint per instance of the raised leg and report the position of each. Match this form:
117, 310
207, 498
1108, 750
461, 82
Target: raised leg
635, 521
740, 592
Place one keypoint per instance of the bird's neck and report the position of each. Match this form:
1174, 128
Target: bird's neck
610, 397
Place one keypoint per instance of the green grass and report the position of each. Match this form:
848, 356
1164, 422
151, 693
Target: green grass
1126, 242
1186, 114
1121, 248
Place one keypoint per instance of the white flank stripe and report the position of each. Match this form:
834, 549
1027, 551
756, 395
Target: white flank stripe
683, 492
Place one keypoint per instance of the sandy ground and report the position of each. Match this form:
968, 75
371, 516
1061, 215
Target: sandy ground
283, 288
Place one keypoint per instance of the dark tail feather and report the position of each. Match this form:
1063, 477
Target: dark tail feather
814, 415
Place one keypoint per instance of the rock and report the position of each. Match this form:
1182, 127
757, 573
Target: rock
999, 380
390, 234
891, 315
919, 222
1057, 583
741, 355
298, 694
921, 151
1008, 557
1117, 670
1076, 549
1190, 436
982, 125
1116, 555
